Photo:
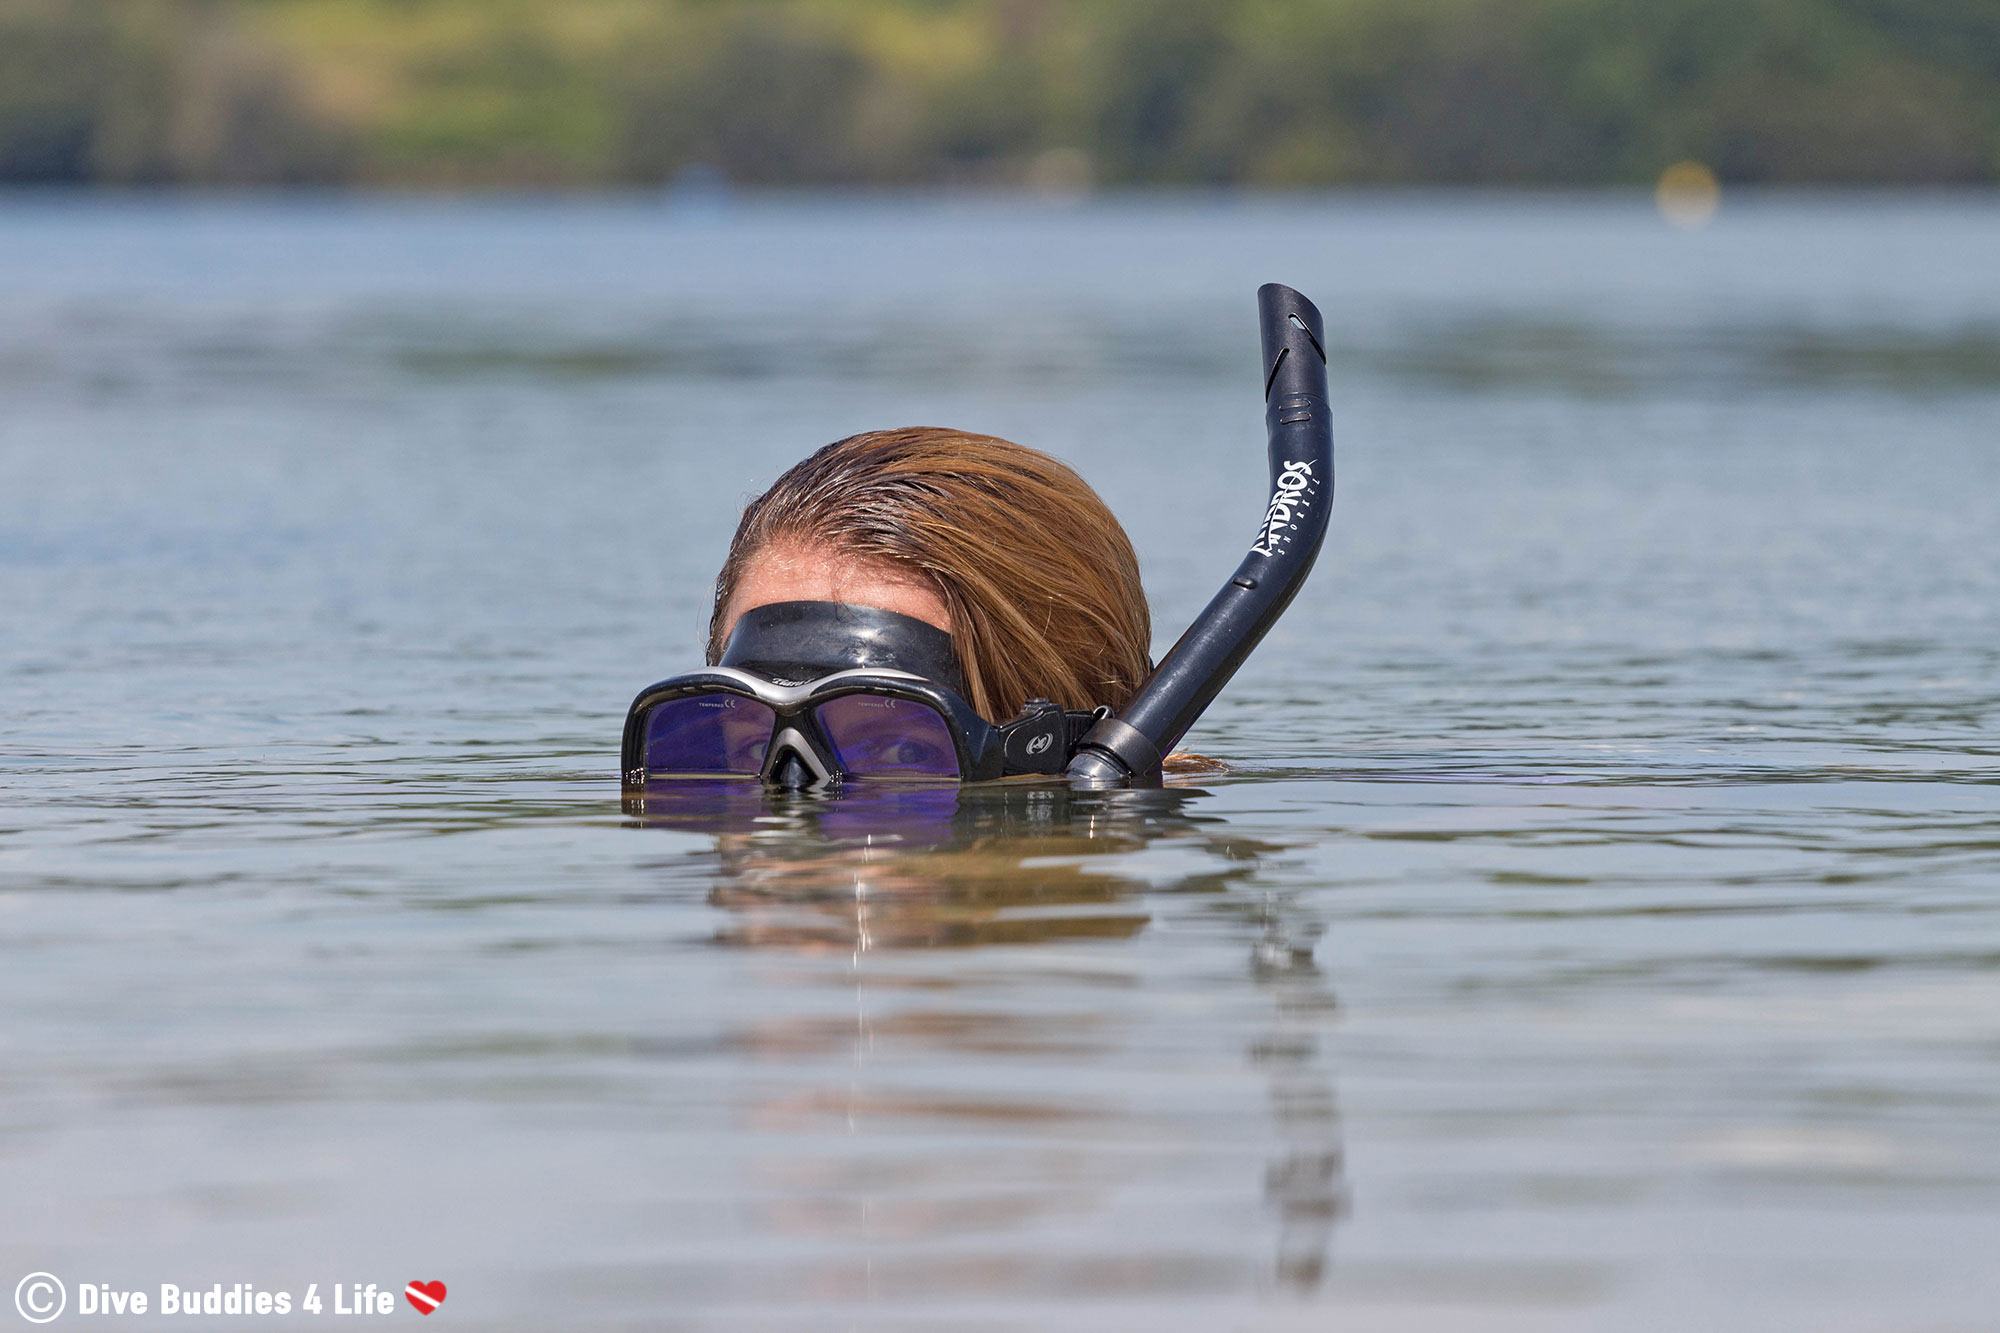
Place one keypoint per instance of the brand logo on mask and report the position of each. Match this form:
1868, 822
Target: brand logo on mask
1289, 498
1041, 743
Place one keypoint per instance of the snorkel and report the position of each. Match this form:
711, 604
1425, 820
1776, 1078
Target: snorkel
1126, 749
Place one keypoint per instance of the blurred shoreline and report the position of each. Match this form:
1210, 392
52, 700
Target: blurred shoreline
995, 94
1528, 194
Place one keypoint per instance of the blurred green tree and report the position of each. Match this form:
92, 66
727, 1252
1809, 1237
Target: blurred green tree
1140, 92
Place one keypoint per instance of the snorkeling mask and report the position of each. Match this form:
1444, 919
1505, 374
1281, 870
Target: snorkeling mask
811, 693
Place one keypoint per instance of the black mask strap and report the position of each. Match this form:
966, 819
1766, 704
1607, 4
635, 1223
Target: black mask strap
790, 643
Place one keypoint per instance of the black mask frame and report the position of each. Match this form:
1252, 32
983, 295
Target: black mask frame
1040, 741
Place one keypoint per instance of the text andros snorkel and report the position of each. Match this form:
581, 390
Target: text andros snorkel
1293, 484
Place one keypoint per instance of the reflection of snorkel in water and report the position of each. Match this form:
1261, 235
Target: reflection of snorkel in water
893, 593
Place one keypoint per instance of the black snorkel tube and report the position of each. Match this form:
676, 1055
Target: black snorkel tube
1126, 750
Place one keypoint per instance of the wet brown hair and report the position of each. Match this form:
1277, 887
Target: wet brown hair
1039, 578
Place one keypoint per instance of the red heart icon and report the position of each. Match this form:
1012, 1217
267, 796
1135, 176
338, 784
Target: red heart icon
426, 1296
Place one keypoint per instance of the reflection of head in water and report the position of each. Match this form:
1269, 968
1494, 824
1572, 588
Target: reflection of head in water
882, 867
891, 866
1002, 547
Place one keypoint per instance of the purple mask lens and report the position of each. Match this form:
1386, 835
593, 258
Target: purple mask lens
873, 736
708, 733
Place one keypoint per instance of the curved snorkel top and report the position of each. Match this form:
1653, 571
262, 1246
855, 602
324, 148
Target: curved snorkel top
1126, 749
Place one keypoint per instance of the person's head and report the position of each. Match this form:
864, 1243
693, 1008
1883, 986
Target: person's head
1002, 547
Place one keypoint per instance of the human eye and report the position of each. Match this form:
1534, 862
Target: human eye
916, 754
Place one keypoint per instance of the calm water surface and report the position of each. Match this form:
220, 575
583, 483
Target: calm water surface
1599, 927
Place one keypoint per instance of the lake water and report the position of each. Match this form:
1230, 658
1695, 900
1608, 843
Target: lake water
1599, 926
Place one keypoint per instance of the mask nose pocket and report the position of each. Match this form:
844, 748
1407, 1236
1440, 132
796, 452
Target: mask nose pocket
792, 765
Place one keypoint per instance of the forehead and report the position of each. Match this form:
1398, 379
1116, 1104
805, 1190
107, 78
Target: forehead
792, 571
